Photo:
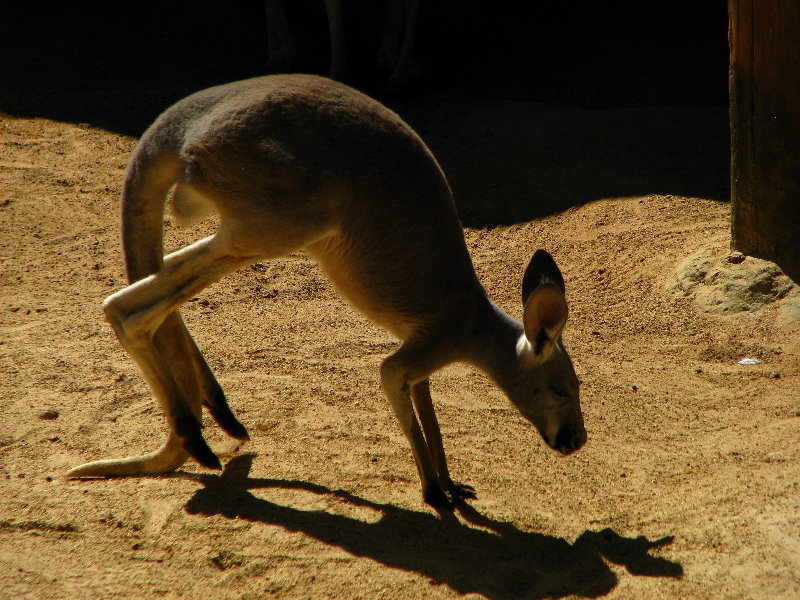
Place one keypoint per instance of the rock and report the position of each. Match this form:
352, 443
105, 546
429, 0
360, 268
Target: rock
724, 282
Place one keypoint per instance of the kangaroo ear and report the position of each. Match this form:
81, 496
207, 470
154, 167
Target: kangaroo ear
544, 317
541, 269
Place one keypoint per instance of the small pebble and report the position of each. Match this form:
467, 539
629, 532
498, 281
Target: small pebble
749, 361
49, 414
736, 258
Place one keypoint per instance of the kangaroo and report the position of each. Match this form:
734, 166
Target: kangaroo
303, 162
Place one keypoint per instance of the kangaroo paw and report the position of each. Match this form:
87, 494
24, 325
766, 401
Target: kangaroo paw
188, 428
196, 445
222, 413
437, 498
460, 492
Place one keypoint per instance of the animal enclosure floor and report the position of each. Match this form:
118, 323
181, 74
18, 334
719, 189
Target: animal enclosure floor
689, 485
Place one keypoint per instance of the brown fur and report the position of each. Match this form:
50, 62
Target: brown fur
301, 162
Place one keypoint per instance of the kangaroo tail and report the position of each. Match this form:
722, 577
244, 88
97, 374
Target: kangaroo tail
152, 170
164, 460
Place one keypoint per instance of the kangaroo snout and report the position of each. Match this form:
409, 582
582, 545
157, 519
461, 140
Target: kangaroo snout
569, 439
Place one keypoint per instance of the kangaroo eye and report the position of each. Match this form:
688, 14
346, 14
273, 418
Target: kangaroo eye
560, 392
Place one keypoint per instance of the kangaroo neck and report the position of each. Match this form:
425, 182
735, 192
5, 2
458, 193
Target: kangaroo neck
493, 343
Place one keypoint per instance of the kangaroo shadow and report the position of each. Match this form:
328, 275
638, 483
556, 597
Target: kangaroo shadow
479, 555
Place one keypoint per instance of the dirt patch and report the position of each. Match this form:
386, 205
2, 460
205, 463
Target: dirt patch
687, 488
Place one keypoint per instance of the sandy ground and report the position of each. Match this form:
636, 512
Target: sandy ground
689, 486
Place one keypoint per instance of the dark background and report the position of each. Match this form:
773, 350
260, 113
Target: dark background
70, 60
640, 88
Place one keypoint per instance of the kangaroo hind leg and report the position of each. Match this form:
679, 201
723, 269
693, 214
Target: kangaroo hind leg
201, 382
172, 453
145, 320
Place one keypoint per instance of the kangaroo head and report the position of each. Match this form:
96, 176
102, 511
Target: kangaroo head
545, 386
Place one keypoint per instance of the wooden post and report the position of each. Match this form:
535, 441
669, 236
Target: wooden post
764, 80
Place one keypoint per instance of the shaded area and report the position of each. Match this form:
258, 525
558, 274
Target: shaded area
485, 556
625, 54
486, 67
511, 162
